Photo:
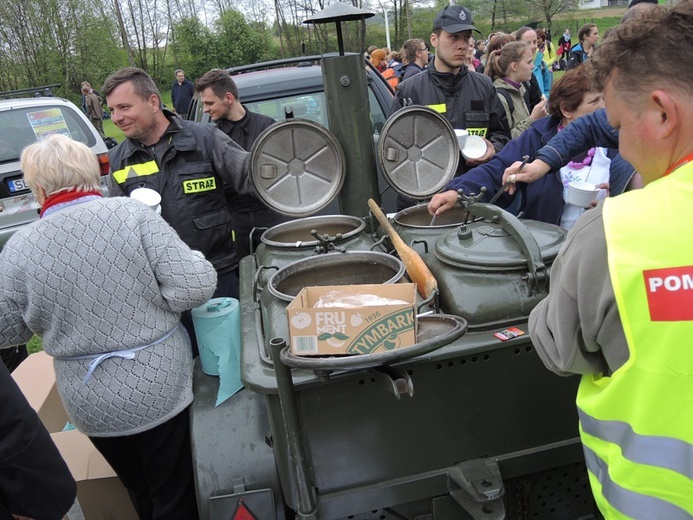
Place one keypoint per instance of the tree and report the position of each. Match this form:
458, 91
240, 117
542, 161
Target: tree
240, 43
195, 47
550, 8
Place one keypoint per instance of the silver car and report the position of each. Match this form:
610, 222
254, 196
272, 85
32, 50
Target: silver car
25, 120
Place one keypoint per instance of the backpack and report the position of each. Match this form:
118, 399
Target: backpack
508, 98
504, 93
390, 75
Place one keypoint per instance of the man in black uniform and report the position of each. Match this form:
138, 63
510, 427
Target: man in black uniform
219, 96
194, 167
466, 98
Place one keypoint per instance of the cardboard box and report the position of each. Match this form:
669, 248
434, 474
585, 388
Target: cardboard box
35, 376
100, 492
352, 330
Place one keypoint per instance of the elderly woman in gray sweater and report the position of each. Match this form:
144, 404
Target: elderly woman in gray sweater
103, 281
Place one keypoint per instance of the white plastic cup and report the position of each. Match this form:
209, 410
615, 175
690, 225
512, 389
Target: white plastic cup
461, 135
582, 194
147, 196
474, 147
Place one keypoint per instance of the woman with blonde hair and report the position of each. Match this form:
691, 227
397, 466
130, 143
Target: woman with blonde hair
509, 67
104, 281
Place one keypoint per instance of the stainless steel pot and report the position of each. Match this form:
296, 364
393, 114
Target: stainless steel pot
291, 241
414, 225
358, 267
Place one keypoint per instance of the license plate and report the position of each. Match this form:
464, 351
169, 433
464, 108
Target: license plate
16, 185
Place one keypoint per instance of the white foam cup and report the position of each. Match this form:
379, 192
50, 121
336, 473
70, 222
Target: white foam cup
582, 194
474, 147
147, 196
461, 135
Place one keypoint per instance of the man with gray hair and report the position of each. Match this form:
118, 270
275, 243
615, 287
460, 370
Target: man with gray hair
620, 308
182, 92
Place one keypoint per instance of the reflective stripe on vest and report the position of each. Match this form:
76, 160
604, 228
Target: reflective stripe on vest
665, 452
626, 502
637, 424
136, 170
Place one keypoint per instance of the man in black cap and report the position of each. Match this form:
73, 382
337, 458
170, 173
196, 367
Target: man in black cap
466, 98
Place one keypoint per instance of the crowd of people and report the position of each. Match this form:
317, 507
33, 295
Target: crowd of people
611, 314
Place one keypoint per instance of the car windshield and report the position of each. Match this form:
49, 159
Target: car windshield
23, 126
310, 106
305, 106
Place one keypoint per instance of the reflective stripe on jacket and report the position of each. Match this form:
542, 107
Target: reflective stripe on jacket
193, 195
637, 424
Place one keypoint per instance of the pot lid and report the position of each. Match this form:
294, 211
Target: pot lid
418, 152
297, 167
489, 246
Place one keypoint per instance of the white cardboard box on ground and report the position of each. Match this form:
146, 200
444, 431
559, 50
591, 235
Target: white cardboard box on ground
100, 492
352, 330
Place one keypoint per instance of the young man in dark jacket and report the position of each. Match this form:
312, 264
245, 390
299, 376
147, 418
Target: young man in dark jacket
467, 99
219, 96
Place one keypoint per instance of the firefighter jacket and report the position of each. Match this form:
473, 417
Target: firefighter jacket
194, 167
636, 425
468, 100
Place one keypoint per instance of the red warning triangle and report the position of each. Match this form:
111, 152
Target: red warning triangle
242, 513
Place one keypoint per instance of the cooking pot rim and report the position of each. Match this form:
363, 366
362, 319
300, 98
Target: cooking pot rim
335, 257
266, 237
419, 207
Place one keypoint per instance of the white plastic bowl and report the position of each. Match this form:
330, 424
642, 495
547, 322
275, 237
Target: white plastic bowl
582, 194
474, 148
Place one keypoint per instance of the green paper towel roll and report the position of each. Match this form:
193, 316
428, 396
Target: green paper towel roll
218, 331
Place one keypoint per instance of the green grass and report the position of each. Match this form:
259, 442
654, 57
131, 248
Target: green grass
35, 345
112, 130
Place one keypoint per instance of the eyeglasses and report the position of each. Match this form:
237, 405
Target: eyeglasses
424, 49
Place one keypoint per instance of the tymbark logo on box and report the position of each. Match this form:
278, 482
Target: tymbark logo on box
383, 332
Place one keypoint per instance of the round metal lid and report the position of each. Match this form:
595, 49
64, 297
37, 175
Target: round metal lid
487, 247
297, 167
418, 152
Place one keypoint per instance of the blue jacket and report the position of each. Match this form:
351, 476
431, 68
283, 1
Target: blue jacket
541, 200
583, 133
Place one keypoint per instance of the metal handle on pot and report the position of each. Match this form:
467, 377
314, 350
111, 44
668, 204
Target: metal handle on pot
538, 273
253, 232
256, 280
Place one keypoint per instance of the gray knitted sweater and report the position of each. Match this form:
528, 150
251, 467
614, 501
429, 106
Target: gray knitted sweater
101, 276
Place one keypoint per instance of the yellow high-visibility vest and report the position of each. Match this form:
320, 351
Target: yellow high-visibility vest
637, 425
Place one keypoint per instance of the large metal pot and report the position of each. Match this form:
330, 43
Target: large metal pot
494, 271
414, 225
294, 240
357, 267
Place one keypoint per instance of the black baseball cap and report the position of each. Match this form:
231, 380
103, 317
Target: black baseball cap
454, 19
